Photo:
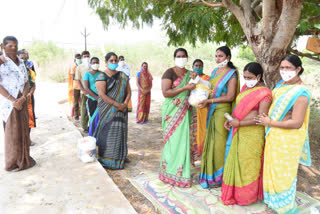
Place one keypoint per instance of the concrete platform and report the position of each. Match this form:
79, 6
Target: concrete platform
60, 182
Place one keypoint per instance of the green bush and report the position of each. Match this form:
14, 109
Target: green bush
314, 123
245, 52
59, 76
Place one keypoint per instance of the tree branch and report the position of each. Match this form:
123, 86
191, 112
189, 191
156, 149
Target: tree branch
268, 18
313, 18
287, 24
255, 3
315, 57
217, 4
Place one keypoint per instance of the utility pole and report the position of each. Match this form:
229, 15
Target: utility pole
85, 35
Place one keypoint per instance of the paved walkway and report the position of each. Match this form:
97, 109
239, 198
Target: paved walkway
60, 182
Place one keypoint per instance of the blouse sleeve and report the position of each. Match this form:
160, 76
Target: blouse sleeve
234, 75
170, 74
86, 76
101, 77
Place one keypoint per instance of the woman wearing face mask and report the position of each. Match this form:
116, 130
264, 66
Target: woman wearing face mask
242, 183
14, 89
199, 117
144, 84
112, 130
225, 85
287, 140
89, 82
176, 116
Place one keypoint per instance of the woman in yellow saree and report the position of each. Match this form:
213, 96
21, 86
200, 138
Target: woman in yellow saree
199, 118
224, 81
287, 139
242, 180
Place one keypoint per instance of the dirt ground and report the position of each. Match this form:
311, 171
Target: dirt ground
145, 147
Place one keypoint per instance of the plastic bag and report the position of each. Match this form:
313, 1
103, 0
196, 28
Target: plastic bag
87, 149
200, 93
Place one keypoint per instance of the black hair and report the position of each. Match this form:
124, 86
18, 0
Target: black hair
254, 68
94, 58
180, 49
121, 57
9, 38
85, 53
77, 55
197, 60
227, 52
0, 53
21, 52
294, 60
143, 63
109, 55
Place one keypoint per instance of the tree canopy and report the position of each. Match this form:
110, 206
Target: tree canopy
270, 27
192, 20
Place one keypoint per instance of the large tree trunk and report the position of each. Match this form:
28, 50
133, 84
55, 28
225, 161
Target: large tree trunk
269, 38
269, 58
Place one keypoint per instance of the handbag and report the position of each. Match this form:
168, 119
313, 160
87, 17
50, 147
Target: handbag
313, 43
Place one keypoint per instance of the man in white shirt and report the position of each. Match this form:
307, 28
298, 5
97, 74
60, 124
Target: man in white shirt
125, 68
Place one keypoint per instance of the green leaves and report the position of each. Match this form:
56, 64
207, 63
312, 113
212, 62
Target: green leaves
190, 20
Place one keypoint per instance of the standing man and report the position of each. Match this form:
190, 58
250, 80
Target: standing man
125, 68
80, 71
73, 88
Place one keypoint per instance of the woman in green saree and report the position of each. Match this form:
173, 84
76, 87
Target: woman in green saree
225, 83
176, 118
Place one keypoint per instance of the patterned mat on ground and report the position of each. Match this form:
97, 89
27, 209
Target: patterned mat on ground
169, 199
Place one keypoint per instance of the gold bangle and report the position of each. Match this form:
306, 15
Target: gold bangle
211, 101
8, 96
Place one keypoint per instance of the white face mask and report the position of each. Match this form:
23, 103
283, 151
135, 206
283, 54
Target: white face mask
121, 63
95, 66
287, 75
251, 83
223, 64
181, 62
86, 61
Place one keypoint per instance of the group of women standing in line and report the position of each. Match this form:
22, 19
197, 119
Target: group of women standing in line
253, 155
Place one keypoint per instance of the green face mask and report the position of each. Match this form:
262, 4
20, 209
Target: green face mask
198, 70
78, 61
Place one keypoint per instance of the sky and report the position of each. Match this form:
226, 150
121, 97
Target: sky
62, 21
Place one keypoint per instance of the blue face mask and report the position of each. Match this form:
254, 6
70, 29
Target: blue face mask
112, 66
198, 70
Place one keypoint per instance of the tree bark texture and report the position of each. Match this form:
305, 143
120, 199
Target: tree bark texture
271, 36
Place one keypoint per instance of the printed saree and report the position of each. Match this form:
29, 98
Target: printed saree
242, 180
284, 148
216, 136
112, 130
144, 100
198, 128
176, 118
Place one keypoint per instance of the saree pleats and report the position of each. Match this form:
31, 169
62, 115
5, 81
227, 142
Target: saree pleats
214, 148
